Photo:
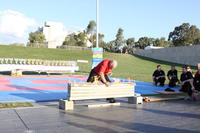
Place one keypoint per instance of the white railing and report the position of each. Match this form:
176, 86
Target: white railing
50, 66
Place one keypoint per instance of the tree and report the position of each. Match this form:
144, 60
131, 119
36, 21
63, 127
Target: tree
119, 35
91, 28
185, 35
130, 42
117, 44
81, 39
36, 37
92, 39
76, 40
143, 42
161, 42
119, 41
70, 41
110, 46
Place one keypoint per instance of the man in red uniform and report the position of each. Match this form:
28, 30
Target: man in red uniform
101, 71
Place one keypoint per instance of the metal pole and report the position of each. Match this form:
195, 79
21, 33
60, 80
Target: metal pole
97, 24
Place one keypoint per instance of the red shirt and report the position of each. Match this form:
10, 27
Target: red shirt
103, 67
197, 73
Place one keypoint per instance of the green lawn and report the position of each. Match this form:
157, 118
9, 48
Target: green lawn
15, 105
129, 66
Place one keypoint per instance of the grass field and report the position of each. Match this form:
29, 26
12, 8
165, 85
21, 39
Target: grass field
15, 105
129, 66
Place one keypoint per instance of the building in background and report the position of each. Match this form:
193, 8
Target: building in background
55, 33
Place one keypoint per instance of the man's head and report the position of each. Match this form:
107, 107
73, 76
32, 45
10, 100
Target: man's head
184, 69
158, 67
188, 68
172, 67
113, 64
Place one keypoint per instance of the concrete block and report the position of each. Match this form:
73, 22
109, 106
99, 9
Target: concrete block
66, 104
103, 105
135, 100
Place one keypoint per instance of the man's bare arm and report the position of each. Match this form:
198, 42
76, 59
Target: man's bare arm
189, 80
103, 79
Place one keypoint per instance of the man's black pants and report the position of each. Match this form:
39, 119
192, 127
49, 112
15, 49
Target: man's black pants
197, 84
159, 80
92, 75
172, 82
186, 87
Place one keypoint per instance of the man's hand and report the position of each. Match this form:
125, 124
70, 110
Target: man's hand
193, 90
110, 73
182, 83
107, 84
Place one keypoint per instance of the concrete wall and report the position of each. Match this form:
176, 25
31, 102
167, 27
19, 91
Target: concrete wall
188, 55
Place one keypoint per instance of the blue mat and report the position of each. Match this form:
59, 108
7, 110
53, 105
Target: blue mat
34, 95
145, 88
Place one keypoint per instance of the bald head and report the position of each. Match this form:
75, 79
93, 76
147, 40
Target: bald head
113, 64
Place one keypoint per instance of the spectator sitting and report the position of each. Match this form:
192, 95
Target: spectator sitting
159, 76
187, 82
197, 80
190, 70
172, 76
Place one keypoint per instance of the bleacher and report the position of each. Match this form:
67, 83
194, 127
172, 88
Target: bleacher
37, 65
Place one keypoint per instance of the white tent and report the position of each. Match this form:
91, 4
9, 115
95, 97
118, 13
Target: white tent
152, 47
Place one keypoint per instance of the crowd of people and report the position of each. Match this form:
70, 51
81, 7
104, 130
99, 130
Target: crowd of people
189, 82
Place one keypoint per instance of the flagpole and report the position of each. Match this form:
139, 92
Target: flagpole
97, 23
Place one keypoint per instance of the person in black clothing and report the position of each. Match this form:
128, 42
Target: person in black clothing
187, 82
172, 76
197, 80
190, 70
159, 76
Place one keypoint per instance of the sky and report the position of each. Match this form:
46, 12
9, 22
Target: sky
138, 18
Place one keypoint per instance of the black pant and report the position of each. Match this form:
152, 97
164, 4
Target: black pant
159, 80
172, 82
186, 87
93, 74
197, 85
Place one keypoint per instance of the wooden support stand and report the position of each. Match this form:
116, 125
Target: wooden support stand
86, 91
103, 105
135, 100
66, 104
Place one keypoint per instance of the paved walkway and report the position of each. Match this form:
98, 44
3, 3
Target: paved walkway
153, 117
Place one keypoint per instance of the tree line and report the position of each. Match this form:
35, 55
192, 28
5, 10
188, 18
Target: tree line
183, 35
